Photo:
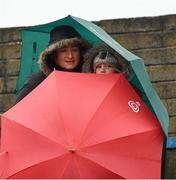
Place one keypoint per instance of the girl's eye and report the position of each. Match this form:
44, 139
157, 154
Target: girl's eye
109, 66
98, 67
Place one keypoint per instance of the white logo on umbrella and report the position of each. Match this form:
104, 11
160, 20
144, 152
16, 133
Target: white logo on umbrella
134, 105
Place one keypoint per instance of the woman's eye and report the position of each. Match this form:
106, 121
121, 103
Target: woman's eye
62, 49
75, 49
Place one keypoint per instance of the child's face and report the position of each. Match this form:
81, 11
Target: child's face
104, 68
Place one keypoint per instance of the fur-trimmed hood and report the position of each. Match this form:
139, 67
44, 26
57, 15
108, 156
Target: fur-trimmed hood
47, 57
93, 52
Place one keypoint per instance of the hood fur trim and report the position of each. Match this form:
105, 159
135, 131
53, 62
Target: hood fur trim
46, 57
93, 52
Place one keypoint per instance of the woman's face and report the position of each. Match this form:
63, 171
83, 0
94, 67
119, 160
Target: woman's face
68, 58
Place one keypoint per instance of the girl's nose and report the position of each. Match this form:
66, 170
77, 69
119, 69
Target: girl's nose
102, 69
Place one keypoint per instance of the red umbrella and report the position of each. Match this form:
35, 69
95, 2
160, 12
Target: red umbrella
81, 126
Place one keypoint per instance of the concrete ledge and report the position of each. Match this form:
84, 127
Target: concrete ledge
10, 51
171, 164
1, 84
143, 24
172, 126
10, 34
170, 105
135, 41
7, 100
12, 67
165, 89
156, 56
162, 72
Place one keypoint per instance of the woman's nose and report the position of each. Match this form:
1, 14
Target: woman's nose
69, 53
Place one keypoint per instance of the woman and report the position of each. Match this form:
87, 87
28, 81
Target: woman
64, 52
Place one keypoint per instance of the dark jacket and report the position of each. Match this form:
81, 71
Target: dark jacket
47, 65
32, 82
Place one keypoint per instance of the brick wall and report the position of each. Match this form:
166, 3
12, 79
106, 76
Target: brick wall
10, 54
152, 38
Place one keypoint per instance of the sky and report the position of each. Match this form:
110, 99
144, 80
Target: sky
15, 13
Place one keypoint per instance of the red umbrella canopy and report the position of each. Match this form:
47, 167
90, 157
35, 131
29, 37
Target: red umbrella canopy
76, 125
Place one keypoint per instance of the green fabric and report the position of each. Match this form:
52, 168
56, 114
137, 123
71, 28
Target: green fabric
36, 38
32, 44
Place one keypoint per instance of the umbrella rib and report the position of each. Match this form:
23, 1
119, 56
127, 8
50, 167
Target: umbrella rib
123, 138
76, 163
34, 166
61, 175
99, 164
92, 118
38, 133
96, 111
59, 114
3, 170
121, 115
105, 167
119, 138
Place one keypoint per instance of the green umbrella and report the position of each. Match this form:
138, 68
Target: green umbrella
35, 40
